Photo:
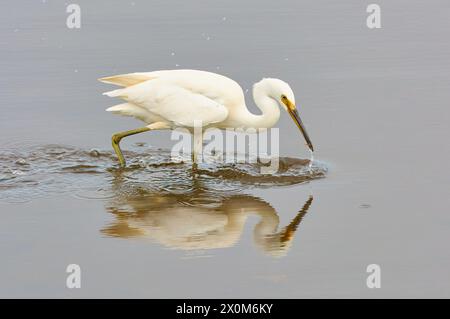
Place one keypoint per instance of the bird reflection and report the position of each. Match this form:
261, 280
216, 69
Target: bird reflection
197, 218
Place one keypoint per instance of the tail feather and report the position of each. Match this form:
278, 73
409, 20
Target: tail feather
115, 93
129, 109
125, 79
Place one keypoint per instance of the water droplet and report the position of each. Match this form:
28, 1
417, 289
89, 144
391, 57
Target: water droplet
21, 161
311, 159
172, 54
94, 153
142, 163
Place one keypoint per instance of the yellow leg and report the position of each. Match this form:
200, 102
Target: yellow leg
194, 161
119, 136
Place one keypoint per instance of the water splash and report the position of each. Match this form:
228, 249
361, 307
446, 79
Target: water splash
27, 173
311, 159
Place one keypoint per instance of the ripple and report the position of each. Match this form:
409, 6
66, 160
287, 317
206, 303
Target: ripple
27, 173
93, 194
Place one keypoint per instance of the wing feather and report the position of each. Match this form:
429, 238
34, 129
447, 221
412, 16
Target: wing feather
214, 86
173, 103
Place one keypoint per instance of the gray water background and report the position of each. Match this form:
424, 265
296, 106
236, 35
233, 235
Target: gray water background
375, 103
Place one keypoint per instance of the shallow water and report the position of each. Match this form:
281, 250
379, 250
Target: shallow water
161, 198
198, 218
375, 103
56, 169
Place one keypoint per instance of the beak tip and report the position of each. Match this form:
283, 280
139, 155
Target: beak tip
294, 114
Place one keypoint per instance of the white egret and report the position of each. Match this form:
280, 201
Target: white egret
188, 98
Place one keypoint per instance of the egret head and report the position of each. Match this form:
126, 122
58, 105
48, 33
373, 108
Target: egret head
282, 93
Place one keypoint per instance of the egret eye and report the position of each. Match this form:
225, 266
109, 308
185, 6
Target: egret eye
283, 97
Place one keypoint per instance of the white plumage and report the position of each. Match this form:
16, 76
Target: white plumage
188, 98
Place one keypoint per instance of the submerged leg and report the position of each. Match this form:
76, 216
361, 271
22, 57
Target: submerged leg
194, 161
197, 150
118, 136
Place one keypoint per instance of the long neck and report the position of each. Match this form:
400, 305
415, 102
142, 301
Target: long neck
270, 111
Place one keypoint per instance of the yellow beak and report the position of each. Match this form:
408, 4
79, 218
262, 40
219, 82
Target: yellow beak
292, 110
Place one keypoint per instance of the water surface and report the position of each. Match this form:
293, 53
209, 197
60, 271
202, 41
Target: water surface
375, 103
